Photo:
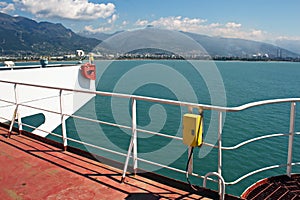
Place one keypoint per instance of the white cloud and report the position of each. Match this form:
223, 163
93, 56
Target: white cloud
201, 26
257, 33
97, 30
178, 23
233, 25
113, 18
214, 25
141, 22
67, 9
296, 38
124, 23
6, 7
106, 27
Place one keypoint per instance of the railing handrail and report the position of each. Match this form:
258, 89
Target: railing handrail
133, 144
165, 101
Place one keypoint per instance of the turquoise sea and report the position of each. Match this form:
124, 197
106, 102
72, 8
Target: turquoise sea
207, 82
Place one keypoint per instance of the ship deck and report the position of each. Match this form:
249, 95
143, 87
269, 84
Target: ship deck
277, 187
33, 169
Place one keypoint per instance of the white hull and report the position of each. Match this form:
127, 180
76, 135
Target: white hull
63, 77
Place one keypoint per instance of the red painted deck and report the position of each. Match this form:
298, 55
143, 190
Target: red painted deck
278, 187
31, 169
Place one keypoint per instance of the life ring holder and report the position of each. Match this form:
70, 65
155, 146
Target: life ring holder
88, 71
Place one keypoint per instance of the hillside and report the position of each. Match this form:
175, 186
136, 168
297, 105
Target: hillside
292, 45
218, 46
214, 46
21, 35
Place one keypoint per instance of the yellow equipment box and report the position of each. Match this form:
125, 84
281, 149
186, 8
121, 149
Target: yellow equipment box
192, 130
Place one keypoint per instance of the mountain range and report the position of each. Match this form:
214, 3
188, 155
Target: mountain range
20, 35
214, 46
292, 45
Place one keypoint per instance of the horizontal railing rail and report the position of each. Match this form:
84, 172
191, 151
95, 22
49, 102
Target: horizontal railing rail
132, 148
164, 101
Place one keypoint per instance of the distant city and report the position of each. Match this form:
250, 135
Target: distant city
80, 55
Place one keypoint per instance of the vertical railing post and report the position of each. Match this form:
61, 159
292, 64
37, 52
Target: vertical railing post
15, 113
63, 122
20, 127
291, 139
134, 135
133, 143
220, 127
190, 164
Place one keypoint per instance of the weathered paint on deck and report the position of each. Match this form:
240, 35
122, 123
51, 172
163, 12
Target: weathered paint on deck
31, 169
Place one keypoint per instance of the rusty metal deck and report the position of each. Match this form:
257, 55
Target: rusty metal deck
277, 188
31, 169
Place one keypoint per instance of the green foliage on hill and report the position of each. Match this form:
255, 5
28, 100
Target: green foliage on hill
22, 35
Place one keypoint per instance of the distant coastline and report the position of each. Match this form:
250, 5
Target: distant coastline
212, 59
15, 59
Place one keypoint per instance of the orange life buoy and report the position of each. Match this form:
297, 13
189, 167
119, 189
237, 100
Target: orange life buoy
88, 71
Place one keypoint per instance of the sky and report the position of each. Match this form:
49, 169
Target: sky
260, 20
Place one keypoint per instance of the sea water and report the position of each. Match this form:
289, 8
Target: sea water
206, 82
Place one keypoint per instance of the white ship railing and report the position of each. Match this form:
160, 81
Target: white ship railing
132, 149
